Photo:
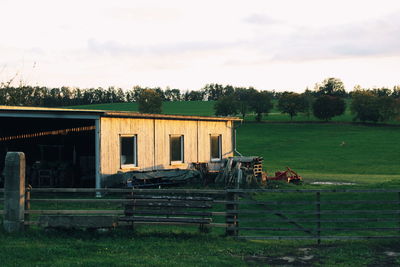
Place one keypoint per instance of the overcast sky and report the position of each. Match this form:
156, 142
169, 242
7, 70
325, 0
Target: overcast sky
269, 44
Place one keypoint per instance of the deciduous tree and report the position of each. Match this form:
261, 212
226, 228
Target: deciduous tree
292, 103
243, 97
226, 106
261, 103
367, 105
150, 101
326, 107
332, 87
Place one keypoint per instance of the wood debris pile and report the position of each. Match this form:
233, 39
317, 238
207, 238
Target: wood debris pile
241, 171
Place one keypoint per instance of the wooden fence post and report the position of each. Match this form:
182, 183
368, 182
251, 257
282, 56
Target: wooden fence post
319, 217
398, 206
129, 209
27, 205
232, 219
14, 192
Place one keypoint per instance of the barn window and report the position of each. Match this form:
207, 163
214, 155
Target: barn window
216, 147
176, 148
128, 151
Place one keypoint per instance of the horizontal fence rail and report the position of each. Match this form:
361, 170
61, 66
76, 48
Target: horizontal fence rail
246, 191
120, 190
315, 214
246, 214
129, 206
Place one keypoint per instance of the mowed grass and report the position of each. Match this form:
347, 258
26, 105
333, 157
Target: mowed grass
199, 108
369, 157
369, 154
318, 151
206, 108
176, 248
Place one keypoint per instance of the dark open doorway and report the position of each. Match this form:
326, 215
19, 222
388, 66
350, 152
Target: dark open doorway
58, 152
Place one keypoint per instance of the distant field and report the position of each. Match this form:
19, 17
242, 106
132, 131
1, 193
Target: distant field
363, 154
371, 152
205, 108
200, 108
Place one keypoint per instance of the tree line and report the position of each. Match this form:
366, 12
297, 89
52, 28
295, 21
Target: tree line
65, 96
25, 95
324, 102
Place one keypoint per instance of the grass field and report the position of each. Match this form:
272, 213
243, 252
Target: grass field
79, 248
205, 108
200, 108
371, 153
369, 157
185, 246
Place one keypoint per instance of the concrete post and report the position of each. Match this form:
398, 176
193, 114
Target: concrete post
14, 192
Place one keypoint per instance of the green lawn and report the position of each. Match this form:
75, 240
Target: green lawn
200, 108
369, 157
371, 153
174, 248
206, 108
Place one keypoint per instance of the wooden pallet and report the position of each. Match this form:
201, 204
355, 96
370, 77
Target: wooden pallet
257, 169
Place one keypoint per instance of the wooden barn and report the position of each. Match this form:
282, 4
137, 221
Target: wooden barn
79, 148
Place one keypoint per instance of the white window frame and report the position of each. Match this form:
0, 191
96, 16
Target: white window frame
135, 158
182, 139
219, 147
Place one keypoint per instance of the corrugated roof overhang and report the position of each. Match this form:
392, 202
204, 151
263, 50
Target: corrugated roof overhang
36, 112
121, 114
56, 113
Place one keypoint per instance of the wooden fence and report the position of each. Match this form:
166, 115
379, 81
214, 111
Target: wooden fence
315, 214
249, 214
128, 206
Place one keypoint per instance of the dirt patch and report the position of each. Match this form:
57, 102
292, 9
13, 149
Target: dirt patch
392, 253
333, 183
389, 258
379, 254
275, 261
304, 258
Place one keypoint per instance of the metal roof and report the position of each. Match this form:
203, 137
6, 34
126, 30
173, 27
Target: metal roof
88, 113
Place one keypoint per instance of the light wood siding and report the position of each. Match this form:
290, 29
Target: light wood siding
208, 128
156, 155
165, 128
111, 129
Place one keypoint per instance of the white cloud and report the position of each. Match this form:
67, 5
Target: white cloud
261, 19
167, 49
187, 44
